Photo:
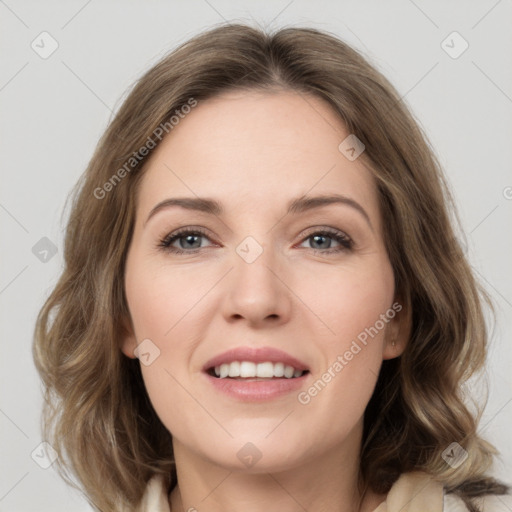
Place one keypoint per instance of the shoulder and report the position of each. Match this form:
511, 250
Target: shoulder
490, 503
415, 488
420, 492
155, 498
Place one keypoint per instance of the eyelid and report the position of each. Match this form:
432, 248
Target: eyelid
336, 234
183, 231
321, 228
344, 240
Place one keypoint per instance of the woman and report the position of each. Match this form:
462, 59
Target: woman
264, 304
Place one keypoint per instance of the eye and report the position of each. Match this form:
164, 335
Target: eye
322, 238
187, 239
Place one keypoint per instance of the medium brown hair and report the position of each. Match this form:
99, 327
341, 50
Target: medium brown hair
97, 414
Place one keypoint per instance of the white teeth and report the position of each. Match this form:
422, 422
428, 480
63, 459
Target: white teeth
265, 370
288, 371
234, 369
224, 370
278, 370
248, 369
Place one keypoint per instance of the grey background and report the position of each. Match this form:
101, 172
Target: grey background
54, 110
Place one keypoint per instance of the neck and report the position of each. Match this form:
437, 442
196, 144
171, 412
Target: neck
326, 482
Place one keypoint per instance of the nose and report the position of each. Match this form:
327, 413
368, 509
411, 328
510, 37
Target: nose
257, 291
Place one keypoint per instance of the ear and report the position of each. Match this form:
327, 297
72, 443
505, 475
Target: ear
398, 330
128, 341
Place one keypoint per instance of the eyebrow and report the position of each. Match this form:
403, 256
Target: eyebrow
295, 206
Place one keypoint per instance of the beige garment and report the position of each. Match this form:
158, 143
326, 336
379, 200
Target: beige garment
412, 492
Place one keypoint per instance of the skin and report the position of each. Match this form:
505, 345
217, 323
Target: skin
254, 152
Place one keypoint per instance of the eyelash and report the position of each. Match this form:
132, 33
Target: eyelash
345, 242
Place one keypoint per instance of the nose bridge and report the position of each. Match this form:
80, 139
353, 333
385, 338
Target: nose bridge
255, 292
254, 261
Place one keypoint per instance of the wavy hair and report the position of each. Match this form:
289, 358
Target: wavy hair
97, 414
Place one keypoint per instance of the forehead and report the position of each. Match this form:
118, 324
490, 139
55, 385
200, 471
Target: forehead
256, 149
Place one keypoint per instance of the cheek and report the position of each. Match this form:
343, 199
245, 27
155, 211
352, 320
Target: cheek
159, 297
335, 309
349, 301
354, 311
164, 304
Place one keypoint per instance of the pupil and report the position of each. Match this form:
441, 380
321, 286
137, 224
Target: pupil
189, 238
316, 237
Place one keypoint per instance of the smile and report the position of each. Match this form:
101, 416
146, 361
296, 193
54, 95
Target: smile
249, 369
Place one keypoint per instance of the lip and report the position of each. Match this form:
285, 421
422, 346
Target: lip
255, 355
257, 390
254, 389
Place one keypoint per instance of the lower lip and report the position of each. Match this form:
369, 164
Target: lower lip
257, 390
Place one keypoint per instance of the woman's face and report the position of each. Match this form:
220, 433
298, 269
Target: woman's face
313, 282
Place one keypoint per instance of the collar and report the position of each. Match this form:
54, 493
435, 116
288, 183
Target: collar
412, 492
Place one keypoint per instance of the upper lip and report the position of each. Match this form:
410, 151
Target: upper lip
255, 355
